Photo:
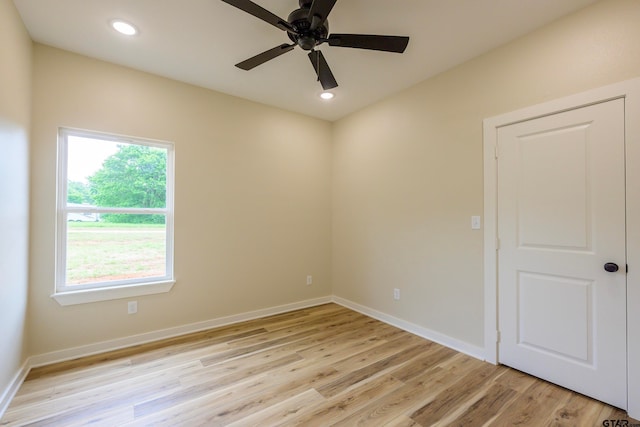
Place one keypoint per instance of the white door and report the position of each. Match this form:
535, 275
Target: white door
561, 218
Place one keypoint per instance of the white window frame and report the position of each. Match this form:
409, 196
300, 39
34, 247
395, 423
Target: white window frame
100, 291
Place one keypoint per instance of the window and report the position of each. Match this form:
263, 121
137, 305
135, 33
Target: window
114, 217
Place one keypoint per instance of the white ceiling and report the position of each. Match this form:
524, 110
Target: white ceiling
199, 41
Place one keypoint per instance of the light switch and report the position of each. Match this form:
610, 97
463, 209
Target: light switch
475, 223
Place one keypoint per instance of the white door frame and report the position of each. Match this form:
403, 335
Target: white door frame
630, 90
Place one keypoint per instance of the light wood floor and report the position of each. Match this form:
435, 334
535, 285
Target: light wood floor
321, 366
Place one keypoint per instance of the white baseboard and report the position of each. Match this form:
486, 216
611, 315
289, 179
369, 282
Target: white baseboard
13, 387
447, 341
105, 346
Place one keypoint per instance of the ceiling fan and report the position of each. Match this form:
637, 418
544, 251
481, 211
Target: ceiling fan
308, 28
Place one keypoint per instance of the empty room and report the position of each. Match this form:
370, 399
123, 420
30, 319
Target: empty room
320, 212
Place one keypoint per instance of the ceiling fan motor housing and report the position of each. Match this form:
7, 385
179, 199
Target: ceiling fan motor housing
306, 38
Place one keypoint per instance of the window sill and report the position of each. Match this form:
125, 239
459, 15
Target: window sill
116, 292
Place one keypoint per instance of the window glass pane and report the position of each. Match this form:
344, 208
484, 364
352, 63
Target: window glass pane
114, 174
126, 247
114, 215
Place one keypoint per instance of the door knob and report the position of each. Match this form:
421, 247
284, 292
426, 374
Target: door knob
611, 267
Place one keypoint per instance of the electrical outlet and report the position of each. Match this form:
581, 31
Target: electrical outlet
132, 307
396, 294
309, 280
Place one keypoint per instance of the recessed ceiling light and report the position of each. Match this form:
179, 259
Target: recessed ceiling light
327, 95
124, 27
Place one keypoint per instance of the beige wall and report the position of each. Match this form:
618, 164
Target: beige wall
408, 171
254, 206
15, 104
252, 210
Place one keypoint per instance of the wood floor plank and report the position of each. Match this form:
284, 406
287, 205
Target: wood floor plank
142, 349
209, 386
281, 387
265, 353
431, 357
398, 401
178, 414
517, 380
318, 336
486, 407
344, 343
579, 409
320, 323
324, 313
353, 377
319, 366
392, 348
240, 400
281, 413
243, 351
453, 397
204, 345
85, 411
344, 404
64, 407
117, 417
402, 421
534, 405
413, 394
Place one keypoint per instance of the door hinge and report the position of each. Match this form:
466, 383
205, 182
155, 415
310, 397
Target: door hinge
497, 243
497, 336
627, 267
495, 151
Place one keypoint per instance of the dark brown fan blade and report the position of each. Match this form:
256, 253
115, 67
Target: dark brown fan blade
263, 57
261, 13
322, 70
366, 41
319, 12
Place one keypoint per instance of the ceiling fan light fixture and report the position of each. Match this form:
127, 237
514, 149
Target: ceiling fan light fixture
124, 27
327, 95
